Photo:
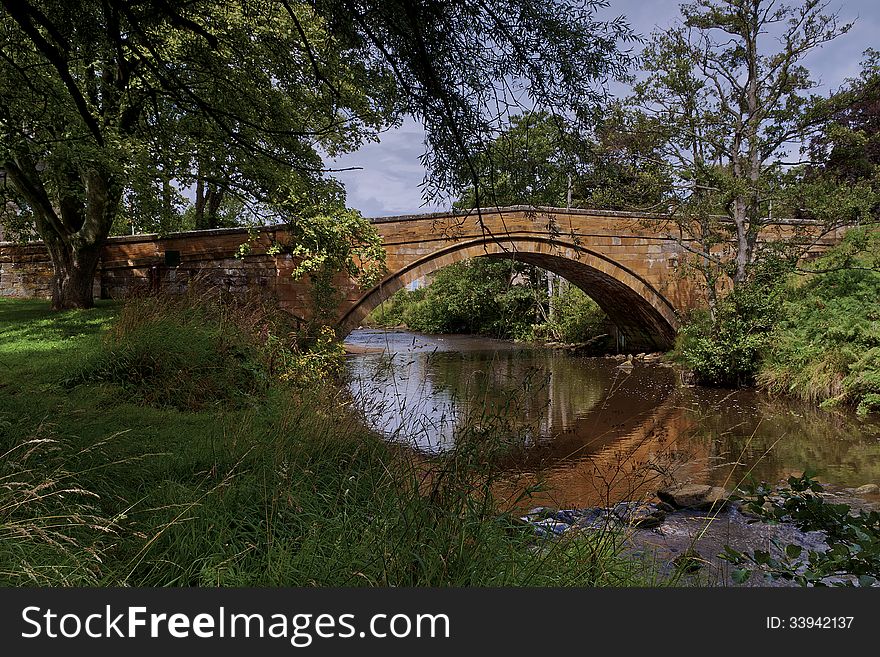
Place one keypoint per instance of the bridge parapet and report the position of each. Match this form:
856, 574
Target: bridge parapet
630, 263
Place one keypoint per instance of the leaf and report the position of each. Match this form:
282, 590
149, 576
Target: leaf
793, 551
761, 557
740, 575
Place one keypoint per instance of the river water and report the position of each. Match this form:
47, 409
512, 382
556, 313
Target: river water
588, 431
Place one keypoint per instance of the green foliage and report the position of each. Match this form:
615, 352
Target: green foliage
339, 241
853, 554
726, 91
724, 349
199, 350
393, 311
622, 167
826, 346
529, 163
135, 99
575, 318
498, 299
848, 149
842, 181
538, 159
475, 296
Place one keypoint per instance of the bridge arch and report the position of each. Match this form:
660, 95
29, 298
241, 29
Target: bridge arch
644, 317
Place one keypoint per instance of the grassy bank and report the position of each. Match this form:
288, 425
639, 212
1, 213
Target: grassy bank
119, 466
825, 346
813, 335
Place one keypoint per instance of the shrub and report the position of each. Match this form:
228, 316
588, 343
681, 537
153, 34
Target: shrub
576, 318
205, 348
725, 349
392, 312
476, 296
826, 347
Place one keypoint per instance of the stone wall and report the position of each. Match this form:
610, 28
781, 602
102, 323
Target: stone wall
133, 264
25, 271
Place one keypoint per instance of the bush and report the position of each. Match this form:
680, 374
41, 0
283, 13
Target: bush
725, 349
826, 347
853, 554
204, 348
393, 311
576, 318
476, 296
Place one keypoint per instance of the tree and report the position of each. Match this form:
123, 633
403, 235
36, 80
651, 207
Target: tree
539, 159
841, 179
622, 167
110, 100
732, 113
531, 162
848, 148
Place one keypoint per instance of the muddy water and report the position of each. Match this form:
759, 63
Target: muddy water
588, 432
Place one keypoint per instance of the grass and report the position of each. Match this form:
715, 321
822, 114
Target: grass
103, 485
826, 346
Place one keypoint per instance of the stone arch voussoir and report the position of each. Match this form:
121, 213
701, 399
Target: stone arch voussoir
642, 314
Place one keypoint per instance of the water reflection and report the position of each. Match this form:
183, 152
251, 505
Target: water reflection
596, 432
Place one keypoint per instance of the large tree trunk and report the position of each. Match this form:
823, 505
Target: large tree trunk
74, 227
207, 204
73, 268
742, 244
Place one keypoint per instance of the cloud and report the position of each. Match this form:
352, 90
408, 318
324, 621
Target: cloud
390, 181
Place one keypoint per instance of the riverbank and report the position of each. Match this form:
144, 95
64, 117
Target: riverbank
283, 487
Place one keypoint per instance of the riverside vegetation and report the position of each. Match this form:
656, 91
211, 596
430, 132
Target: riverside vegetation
498, 299
813, 335
189, 442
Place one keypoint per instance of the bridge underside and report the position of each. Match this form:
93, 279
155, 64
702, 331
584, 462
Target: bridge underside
645, 320
640, 325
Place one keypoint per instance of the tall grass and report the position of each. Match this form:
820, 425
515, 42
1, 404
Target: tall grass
51, 529
203, 348
287, 489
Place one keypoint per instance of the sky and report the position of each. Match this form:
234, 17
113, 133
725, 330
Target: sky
389, 179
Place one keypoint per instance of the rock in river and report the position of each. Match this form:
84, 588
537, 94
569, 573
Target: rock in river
640, 515
867, 489
699, 497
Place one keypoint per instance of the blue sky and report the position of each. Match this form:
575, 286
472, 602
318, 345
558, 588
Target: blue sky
391, 175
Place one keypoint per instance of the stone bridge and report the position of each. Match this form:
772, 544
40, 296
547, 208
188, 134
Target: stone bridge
630, 264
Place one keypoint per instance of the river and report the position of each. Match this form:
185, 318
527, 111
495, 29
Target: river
593, 432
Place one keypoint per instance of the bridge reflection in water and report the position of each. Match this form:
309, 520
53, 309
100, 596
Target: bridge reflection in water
594, 433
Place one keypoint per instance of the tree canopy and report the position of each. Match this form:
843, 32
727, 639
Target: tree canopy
112, 106
727, 91
613, 164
